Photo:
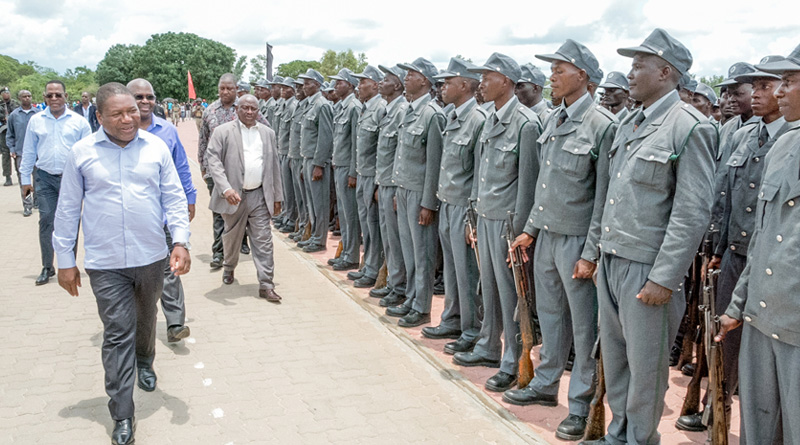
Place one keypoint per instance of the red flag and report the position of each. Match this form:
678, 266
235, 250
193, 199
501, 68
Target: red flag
192, 94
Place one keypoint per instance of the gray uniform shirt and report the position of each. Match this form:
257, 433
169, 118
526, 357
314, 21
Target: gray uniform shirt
269, 108
462, 132
345, 129
284, 130
419, 150
368, 130
277, 120
509, 164
316, 135
387, 141
296, 128
767, 294
573, 173
660, 191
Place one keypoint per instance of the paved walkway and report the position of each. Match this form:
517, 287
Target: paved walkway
325, 366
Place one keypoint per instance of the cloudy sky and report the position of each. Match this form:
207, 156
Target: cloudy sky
67, 33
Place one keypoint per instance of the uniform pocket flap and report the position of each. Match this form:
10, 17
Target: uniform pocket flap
390, 134
416, 131
736, 160
506, 146
577, 146
768, 191
654, 153
370, 128
462, 141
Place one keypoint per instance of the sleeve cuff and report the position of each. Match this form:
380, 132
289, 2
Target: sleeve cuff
191, 198
180, 236
66, 260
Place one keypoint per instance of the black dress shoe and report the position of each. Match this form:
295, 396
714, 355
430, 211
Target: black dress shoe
345, 265
227, 276
529, 396
571, 428
216, 262
355, 275
146, 378
245, 249
459, 345
288, 228
44, 277
440, 332
400, 310
380, 292
364, 282
123, 432
177, 333
502, 381
688, 369
8, 181
393, 299
472, 359
333, 261
690, 422
269, 295
311, 248
600, 441
438, 288
304, 243
414, 318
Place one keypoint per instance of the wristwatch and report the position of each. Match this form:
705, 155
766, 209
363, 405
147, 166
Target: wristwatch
185, 245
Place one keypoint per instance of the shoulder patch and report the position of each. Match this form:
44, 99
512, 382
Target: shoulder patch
527, 112
692, 111
605, 113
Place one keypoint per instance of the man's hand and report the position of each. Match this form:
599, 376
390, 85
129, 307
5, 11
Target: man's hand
191, 212
375, 195
232, 197
523, 240
726, 324
27, 189
426, 216
470, 237
13, 155
583, 270
654, 294
277, 207
70, 280
179, 262
317, 174
351, 182
714, 263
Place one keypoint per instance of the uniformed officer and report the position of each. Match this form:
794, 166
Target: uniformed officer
316, 146
296, 160
391, 89
505, 184
615, 94
283, 125
529, 90
766, 296
751, 144
594, 82
273, 102
416, 173
460, 320
242, 88
345, 130
565, 222
704, 99
263, 93
275, 120
657, 208
369, 122
686, 88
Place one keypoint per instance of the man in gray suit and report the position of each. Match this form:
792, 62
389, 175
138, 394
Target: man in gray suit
657, 208
243, 160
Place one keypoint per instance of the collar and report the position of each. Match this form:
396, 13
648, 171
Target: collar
370, 103
65, 115
101, 136
313, 99
462, 109
772, 127
155, 121
652, 108
420, 101
504, 113
573, 108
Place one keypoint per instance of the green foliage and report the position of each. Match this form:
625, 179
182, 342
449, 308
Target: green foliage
11, 70
116, 66
32, 77
296, 68
238, 68
258, 68
332, 62
711, 81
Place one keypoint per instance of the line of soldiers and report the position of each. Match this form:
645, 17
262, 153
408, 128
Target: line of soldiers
621, 192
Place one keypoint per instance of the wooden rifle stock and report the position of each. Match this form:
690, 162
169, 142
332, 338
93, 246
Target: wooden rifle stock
718, 429
692, 318
596, 425
526, 301
691, 403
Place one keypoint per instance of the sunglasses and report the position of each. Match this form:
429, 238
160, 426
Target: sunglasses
54, 95
144, 96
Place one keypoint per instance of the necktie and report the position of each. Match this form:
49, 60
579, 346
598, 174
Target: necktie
638, 120
562, 117
763, 136
453, 116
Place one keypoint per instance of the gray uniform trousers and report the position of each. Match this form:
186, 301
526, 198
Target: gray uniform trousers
299, 192
418, 244
172, 297
499, 298
370, 225
318, 201
127, 303
566, 308
390, 235
635, 388
289, 208
770, 389
461, 275
348, 215
252, 215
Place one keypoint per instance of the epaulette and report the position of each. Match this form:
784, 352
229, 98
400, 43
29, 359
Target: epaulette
605, 112
527, 112
698, 116
483, 112
435, 107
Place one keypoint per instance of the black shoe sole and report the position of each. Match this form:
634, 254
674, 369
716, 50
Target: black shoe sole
143, 388
493, 388
374, 293
485, 363
570, 437
530, 402
364, 285
442, 337
403, 324
691, 429
393, 303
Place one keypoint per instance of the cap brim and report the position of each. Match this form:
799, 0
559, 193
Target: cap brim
409, 67
444, 76
337, 78
631, 51
778, 67
385, 69
727, 82
612, 85
552, 58
361, 76
749, 78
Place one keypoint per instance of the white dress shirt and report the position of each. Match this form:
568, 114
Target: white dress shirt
253, 148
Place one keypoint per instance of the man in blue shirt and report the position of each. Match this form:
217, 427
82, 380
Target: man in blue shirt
15, 138
48, 140
172, 296
126, 184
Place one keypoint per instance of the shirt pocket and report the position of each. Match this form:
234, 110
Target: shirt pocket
651, 166
575, 157
464, 149
412, 136
736, 170
765, 196
505, 154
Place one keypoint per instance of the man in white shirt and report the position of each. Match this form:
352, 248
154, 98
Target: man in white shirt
242, 159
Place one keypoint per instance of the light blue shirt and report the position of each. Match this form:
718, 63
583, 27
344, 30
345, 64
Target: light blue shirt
127, 194
48, 141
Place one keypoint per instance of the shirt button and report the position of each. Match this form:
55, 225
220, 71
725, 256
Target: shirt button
619, 174
744, 233
769, 271
546, 227
722, 193
779, 238
397, 172
611, 201
548, 162
652, 157
544, 186
576, 150
614, 251
748, 319
628, 147
442, 168
553, 138
541, 208
530, 221
776, 337
756, 159
479, 199
748, 210
752, 186
733, 247
791, 202
483, 215
762, 304
486, 160
608, 229
734, 162
399, 157
483, 179
599, 245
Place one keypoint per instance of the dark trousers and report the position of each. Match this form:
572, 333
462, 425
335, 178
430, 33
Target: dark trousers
219, 224
126, 300
172, 297
47, 188
6, 154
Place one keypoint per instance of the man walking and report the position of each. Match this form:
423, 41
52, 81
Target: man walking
15, 139
7, 106
87, 109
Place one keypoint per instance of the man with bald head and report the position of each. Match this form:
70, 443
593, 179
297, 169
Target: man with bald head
243, 161
172, 297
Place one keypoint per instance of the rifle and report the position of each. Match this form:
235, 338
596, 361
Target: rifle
596, 425
714, 416
471, 219
691, 321
526, 299
691, 403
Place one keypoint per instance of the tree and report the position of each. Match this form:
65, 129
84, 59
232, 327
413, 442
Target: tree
258, 68
116, 65
238, 68
711, 81
296, 67
332, 62
11, 69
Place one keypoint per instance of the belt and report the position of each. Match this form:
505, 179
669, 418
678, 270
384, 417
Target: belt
251, 190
